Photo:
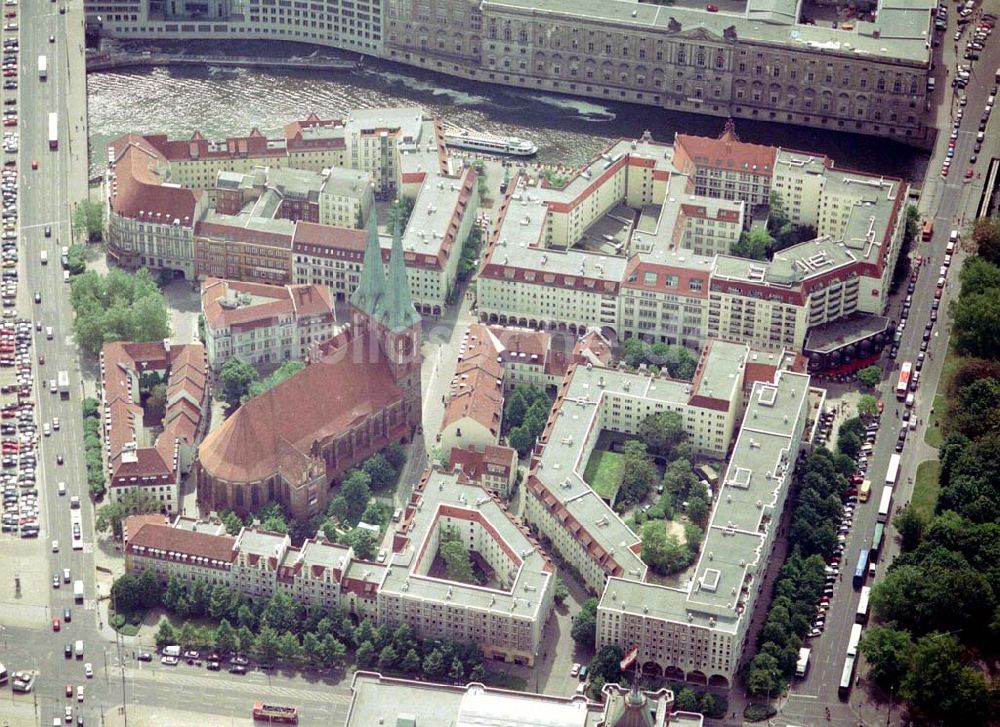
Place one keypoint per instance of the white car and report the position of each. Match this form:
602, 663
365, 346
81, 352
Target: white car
55, 424
88, 670
55, 546
169, 660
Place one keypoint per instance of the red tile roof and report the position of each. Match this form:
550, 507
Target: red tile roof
328, 239
283, 301
136, 189
164, 539
727, 152
280, 426
475, 464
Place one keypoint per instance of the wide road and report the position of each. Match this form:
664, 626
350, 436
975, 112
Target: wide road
46, 198
950, 202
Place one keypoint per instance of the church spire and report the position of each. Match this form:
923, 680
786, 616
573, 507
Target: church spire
368, 296
397, 312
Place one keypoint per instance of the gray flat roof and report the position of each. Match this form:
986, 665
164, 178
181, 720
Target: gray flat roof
532, 572
262, 543
564, 458
832, 336
378, 700
904, 33
750, 490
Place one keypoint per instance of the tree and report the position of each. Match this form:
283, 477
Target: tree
226, 639
198, 597
911, 524
283, 373
156, 402
381, 474
267, 645
174, 593
273, 518
289, 648
888, 651
387, 658
639, 475
400, 210
410, 661
478, 673
281, 613
870, 376
125, 593
119, 306
434, 663
395, 453
231, 521
361, 541
356, 491
150, 589
132, 502
584, 629
697, 509
941, 687
246, 639
312, 649
662, 432
867, 406
221, 602
753, 244
984, 240
560, 592
236, 377
76, 259
88, 220
457, 670
606, 664
456, 557
333, 651
764, 676
165, 634
664, 553
687, 700
709, 706
977, 322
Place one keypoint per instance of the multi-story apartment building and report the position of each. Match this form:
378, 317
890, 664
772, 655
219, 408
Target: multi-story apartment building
334, 197
504, 615
669, 276
132, 464
494, 468
754, 61
582, 525
265, 325
278, 211
697, 631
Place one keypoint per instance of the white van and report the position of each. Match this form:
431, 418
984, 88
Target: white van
45, 257
78, 649
909, 399
171, 650
953, 237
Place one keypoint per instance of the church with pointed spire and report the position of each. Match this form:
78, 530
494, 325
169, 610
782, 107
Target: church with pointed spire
359, 393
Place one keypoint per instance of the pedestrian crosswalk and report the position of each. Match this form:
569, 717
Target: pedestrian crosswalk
205, 684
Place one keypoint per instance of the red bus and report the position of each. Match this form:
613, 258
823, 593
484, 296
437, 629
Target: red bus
903, 385
928, 230
275, 713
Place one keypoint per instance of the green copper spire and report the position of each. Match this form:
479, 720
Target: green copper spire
371, 290
398, 313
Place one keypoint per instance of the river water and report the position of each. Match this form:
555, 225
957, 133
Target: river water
223, 102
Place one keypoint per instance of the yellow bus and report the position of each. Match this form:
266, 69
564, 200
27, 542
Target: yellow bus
865, 491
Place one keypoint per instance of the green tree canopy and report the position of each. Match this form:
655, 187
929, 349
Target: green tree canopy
584, 629
456, 556
662, 432
664, 553
119, 306
753, 244
867, 406
236, 378
282, 374
870, 376
887, 651
88, 220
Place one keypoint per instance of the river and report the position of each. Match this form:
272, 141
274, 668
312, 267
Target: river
223, 102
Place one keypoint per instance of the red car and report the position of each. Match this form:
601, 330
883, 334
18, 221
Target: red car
56, 625
34, 164
712, 8
69, 690
41, 359
970, 173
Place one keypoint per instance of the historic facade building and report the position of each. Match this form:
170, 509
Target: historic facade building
764, 60
359, 393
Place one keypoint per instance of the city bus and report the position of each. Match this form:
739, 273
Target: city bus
862, 615
53, 130
877, 537
903, 385
927, 232
845, 678
852, 645
884, 504
862, 568
275, 713
892, 474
